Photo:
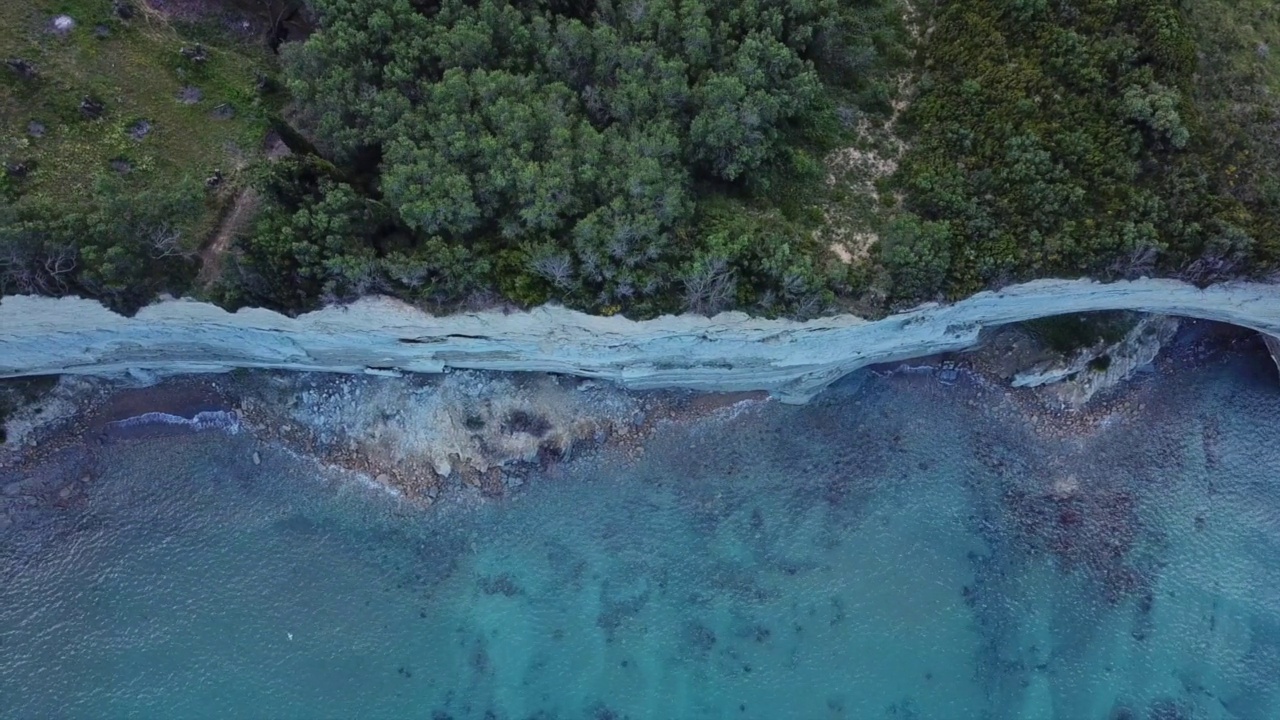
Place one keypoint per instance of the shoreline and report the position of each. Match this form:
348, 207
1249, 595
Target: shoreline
371, 428
731, 352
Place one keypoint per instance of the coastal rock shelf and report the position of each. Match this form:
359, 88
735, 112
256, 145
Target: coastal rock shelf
729, 352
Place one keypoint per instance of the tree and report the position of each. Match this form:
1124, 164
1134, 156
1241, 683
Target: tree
917, 255
593, 126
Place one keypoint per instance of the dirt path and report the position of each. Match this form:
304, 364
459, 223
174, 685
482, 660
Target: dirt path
243, 208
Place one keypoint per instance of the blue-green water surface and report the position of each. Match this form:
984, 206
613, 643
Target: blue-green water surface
903, 550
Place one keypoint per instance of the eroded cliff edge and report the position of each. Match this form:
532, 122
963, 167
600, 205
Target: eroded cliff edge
728, 352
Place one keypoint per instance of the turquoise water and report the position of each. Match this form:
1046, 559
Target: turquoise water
889, 551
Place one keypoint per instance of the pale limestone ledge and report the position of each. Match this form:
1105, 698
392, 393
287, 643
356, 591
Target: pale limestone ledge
729, 352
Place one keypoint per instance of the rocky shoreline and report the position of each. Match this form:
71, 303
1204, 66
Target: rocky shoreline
427, 438
417, 437
383, 391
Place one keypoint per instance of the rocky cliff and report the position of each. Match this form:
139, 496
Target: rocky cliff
792, 360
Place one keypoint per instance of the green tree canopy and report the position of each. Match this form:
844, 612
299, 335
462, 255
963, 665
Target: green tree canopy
591, 127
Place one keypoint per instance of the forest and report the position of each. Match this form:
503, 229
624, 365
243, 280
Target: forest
782, 157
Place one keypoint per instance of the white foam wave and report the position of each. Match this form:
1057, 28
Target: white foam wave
227, 421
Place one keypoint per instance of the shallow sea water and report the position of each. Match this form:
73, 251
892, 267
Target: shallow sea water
886, 552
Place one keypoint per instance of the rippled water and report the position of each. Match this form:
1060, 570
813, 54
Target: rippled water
887, 552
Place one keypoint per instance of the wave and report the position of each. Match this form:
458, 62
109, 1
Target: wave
227, 421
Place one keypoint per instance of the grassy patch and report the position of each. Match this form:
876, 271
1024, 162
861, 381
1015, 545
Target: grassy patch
135, 69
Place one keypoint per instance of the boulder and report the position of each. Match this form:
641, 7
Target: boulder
139, 130
190, 95
92, 108
22, 67
195, 53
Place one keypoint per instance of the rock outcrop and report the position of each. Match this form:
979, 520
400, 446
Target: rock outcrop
1273, 347
1081, 375
731, 352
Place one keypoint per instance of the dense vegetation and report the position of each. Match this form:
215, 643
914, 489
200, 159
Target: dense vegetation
639, 156
1062, 138
1238, 90
642, 155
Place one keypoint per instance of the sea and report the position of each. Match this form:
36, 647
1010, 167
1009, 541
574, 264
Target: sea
898, 549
